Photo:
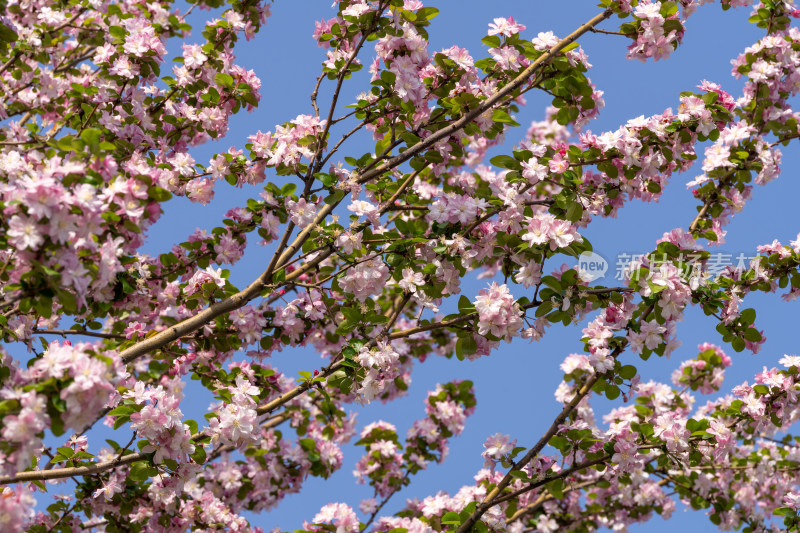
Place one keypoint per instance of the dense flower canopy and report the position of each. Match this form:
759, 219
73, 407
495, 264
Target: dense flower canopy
98, 130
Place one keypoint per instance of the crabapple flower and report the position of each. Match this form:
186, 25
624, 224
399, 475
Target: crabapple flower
16, 508
495, 448
505, 26
411, 280
533, 171
545, 228
301, 212
558, 165
202, 277
193, 56
365, 279
792, 499
340, 515
24, 232
499, 314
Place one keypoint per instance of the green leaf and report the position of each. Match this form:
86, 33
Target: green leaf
556, 488
747, 317
752, 335
761, 389
492, 41
193, 427
141, 470
575, 212
122, 410
199, 455
504, 161
308, 445
67, 143
400, 384
158, 194
91, 136
559, 442
570, 46
467, 345
226, 80
118, 32
552, 282
480, 527
518, 474
7, 35
465, 306
451, 518
66, 451
612, 392
502, 116
394, 260
326, 179
335, 198
250, 98
427, 13
655, 289
563, 116
544, 308
627, 372
668, 9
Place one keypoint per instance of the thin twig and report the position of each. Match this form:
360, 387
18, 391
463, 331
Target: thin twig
65, 332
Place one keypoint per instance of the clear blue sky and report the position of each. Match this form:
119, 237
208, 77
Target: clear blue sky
515, 385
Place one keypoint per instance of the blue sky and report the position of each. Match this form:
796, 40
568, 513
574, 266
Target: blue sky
514, 386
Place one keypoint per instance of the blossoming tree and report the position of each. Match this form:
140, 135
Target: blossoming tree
97, 135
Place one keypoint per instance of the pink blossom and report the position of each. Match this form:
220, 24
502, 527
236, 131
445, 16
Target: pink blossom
496, 447
506, 27
792, 499
365, 279
302, 213
200, 191
411, 280
558, 164
349, 241
23, 232
498, 313
201, 277
193, 56
340, 515
533, 171
538, 229
16, 508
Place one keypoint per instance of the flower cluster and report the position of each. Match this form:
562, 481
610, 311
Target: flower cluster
499, 315
381, 365
657, 28
365, 279
281, 148
388, 464
158, 419
546, 229
89, 379
236, 422
706, 372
